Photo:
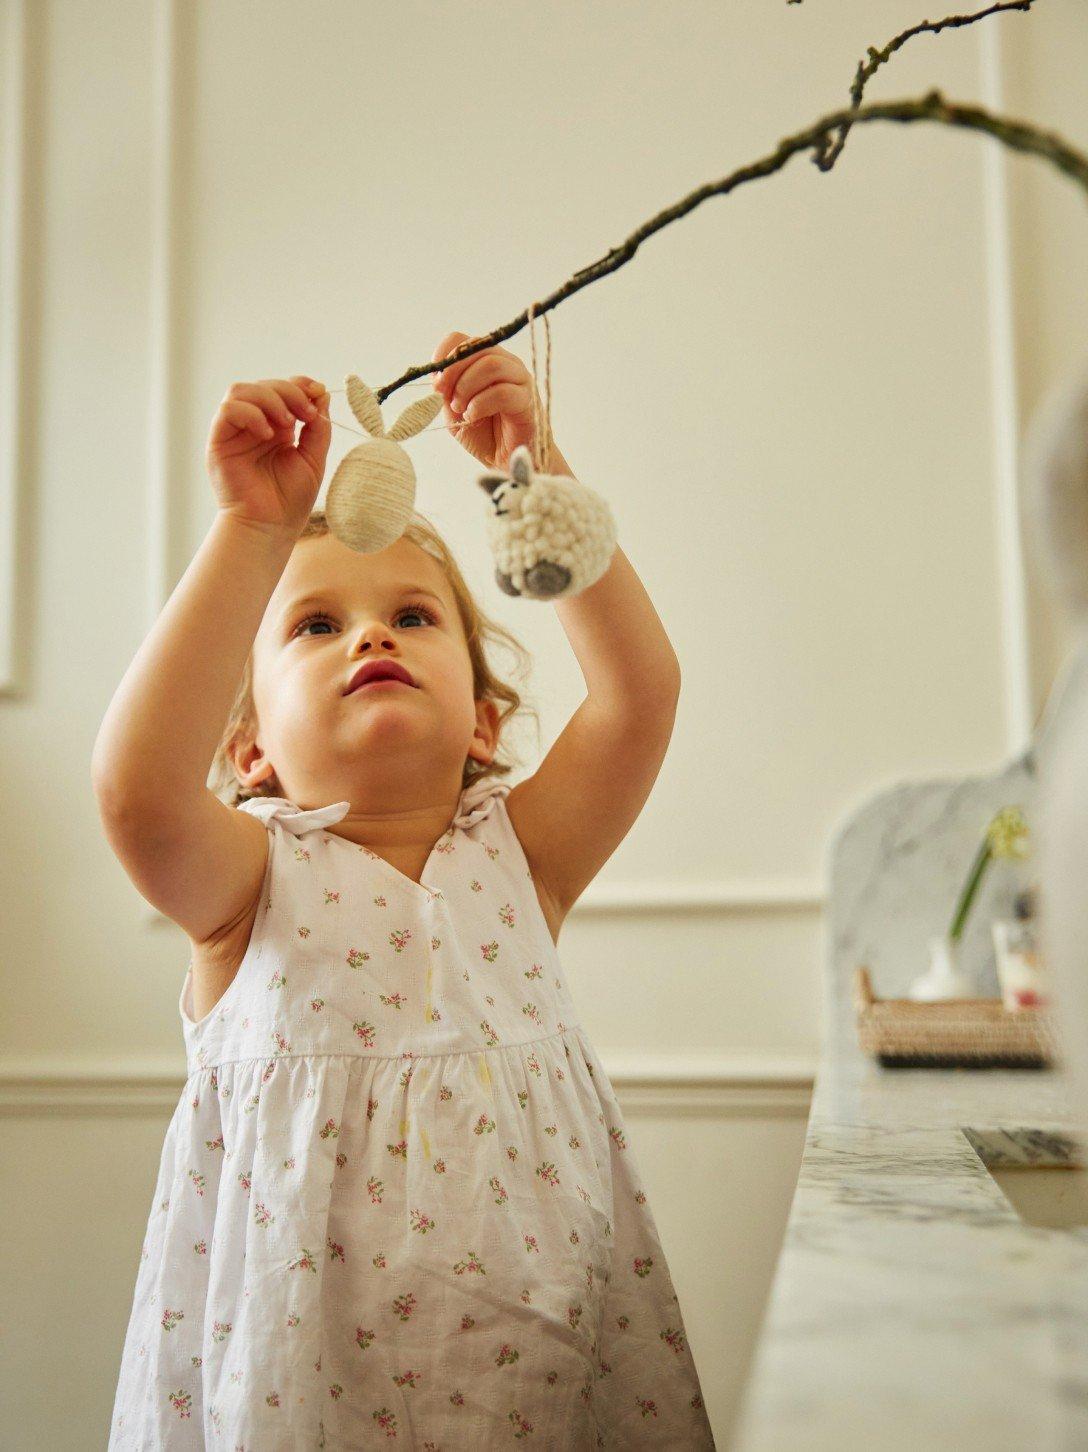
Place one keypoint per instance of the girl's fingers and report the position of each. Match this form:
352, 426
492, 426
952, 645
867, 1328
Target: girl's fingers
241, 416
448, 378
498, 398
485, 372
281, 400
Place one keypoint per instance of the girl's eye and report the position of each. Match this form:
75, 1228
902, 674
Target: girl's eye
321, 615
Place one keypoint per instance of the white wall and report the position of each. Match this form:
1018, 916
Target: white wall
803, 402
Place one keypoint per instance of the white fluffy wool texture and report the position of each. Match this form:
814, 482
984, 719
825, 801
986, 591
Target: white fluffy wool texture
551, 536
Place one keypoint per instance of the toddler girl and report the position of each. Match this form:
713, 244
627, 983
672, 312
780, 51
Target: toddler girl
396, 1198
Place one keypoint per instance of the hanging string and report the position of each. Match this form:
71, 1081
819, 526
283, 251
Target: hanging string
541, 445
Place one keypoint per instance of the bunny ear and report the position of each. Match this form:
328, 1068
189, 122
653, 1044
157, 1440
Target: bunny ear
365, 406
520, 464
416, 416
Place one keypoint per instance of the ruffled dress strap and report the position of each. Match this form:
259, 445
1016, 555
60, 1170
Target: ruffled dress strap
294, 818
477, 801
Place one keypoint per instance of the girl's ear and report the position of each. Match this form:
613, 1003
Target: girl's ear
520, 464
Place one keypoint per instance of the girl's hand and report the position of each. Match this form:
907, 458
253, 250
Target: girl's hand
257, 471
496, 389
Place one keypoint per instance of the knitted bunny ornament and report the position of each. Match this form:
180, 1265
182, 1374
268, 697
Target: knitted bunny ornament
373, 491
551, 535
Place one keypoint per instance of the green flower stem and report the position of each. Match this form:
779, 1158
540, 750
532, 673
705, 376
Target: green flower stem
985, 852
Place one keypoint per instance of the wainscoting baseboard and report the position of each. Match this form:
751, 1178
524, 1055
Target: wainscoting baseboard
729, 1085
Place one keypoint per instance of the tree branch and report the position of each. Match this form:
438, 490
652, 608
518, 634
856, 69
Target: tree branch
1018, 135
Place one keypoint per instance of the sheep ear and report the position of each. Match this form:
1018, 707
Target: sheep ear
416, 416
520, 464
364, 406
491, 480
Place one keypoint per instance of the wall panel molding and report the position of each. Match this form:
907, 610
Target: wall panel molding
724, 1085
13, 200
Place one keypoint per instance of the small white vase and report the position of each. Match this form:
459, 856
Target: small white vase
944, 978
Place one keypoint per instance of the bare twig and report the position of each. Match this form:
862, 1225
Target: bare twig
1018, 135
827, 154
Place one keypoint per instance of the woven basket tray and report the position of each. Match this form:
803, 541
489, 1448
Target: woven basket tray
977, 1033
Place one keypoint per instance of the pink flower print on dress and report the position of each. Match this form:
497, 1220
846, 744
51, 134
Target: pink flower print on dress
473, 1265
484, 1125
392, 1000
182, 1402
399, 1150
534, 972
276, 981
490, 951
379, 1261
418, 1221
522, 1426
642, 1267
331, 897
574, 1315
199, 1182
476, 886
364, 1031
341, 1160
439, 1167
386, 1420
245, 1179
647, 1405
673, 1338
511, 1152
491, 1038
467, 1323
501, 1195
530, 1244
380, 901
305, 1261
221, 1330
404, 1305
408, 1378
329, 1128
293, 1319
336, 1251
356, 958
304, 932
336, 1391
363, 1339
506, 1355
261, 1214
272, 1399
457, 1399
506, 914
445, 1092
171, 1318
302, 854
551, 1129
214, 1144
533, 1065
398, 940
201, 1247
547, 1172
530, 1010
317, 1004
371, 1105
491, 851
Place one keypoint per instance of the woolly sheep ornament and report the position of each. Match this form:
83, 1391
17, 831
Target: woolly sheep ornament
551, 536
373, 491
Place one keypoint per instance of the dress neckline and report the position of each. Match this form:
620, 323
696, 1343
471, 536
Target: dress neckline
477, 801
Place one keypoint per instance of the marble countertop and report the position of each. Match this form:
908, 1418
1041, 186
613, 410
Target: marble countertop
911, 1306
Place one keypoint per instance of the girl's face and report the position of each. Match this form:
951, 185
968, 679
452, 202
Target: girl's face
332, 610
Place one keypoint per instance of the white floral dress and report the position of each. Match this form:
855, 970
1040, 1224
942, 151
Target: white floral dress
396, 1200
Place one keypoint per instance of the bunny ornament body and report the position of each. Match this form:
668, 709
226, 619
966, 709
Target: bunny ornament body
372, 493
551, 535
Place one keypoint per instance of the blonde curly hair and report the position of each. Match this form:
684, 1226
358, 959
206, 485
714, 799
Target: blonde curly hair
480, 631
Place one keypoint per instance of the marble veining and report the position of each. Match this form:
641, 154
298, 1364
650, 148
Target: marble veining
911, 1306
